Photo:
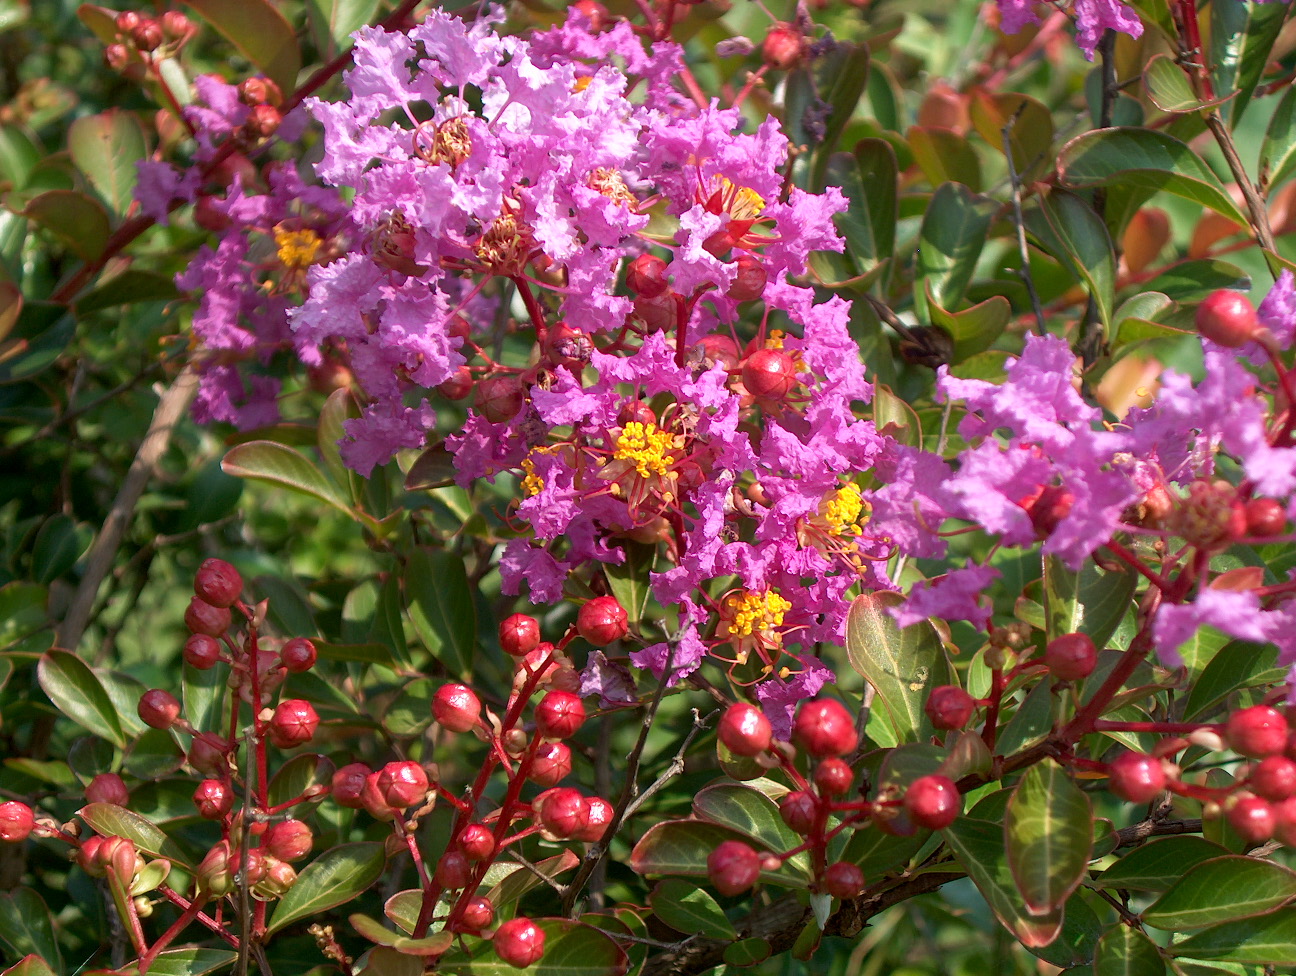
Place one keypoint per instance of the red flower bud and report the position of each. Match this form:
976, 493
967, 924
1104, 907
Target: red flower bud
213, 799
402, 784
456, 707
798, 810
203, 618
646, 276
769, 374
843, 880
107, 788
602, 620
478, 914
202, 651
289, 840
1257, 731
158, 709
1136, 777
1265, 518
1071, 657
733, 867
348, 785
293, 723
453, 870
949, 707
824, 728
598, 814
744, 730
559, 715
1227, 318
16, 821
519, 942
833, 777
498, 398
933, 802
552, 764
298, 655
563, 811
1252, 818
218, 583
476, 842
749, 283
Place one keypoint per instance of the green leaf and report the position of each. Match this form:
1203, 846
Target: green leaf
979, 847
629, 579
78, 220
953, 232
1030, 139
338, 408
191, 961
1169, 87
59, 544
1049, 832
1158, 864
334, 878
1194, 280
747, 952
681, 847
509, 882
111, 820
1146, 160
1126, 951
27, 926
1269, 940
903, 665
31, 965
441, 607
333, 21
571, 949
974, 329
689, 909
19, 155
276, 464
843, 75
128, 288
1241, 37
1220, 890
297, 775
408, 713
1069, 230
868, 177
1277, 159
1032, 721
79, 694
944, 156
750, 812
260, 32
1238, 664
1091, 600
106, 147
22, 610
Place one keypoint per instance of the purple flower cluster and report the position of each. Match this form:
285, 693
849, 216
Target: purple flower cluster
1093, 18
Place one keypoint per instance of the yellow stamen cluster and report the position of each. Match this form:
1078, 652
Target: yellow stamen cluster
451, 143
582, 83
843, 508
532, 483
744, 202
755, 612
775, 339
610, 183
297, 248
645, 447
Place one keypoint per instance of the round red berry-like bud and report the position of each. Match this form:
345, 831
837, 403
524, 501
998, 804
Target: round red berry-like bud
646, 276
374, 803
16, 821
476, 842
262, 121
478, 914
1252, 818
519, 942
784, 47
498, 398
1136, 777
519, 634
744, 730
127, 21
158, 709
116, 57
636, 412
596, 12
202, 618
456, 708
402, 784
1048, 508
749, 283
88, 855
718, 349
215, 874
798, 810
769, 374
147, 36
733, 867
1273, 778
552, 764
289, 840
294, 722
1285, 821
833, 777
1227, 318
602, 620
1265, 518
176, 25
207, 757
259, 91
213, 799
202, 651
933, 802
563, 811
453, 870
107, 788
1257, 731
843, 880
949, 707
598, 814
659, 312
559, 715
459, 386
824, 728
298, 655
218, 583
1071, 657
348, 785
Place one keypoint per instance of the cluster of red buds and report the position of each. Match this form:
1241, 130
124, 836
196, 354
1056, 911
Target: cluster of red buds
142, 41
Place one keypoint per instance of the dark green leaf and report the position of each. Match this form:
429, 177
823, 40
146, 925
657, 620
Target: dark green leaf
339, 407
689, 909
1158, 864
258, 30
1269, 940
747, 952
974, 329
106, 147
19, 155
903, 665
78, 220
1193, 280
59, 544
1278, 150
191, 961
111, 820
408, 713
1049, 832
629, 579
334, 878
1029, 124
681, 847
1090, 600
297, 775
27, 926
128, 288
571, 949
953, 232
333, 21
1238, 664
868, 178
276, 464
1032, 721
1241, 37
751, 812
1069, 230
79, 694
441, 607
1126, 951
508, 882
1221, 890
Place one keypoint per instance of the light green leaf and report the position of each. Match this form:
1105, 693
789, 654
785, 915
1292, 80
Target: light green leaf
1158, 864
953, 232
191, 961
571, 949
680, 847
944, 156
110, 820
1269, 940
1220, 890
1069, 230
78, 220
689, 909
333, 21
260, 32
277, 464
334, 878
106, 147
1091, 600
751, 812
1049, 832
1278, 150
80, 695
1126, 951
868, 177
1241, 37
27, 926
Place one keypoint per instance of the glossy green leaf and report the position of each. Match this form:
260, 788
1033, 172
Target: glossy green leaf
868, 178
277, 464
973, 329
1238, 664
1194, 280
1030, 129
27, 926
689, 909
1075, 944
902, 664
78, 220
191, 961
297, 775
747, 952
1220, 890
979, 847
1089, 600
1126, 951
1032, 721
629, 579
128, 288
944, 156
895, 417
510, 882
1068, 229
1049, 832
750, 812
408, 713
334, 878
79, 694
1278, 150
571, 949
19, 155
441, 607
111, 820
680, 847
338, 408
260, 32
106, 147
1148, 161
30, 965
434, 468
1241, 37
1169, 87
333, 21
953, 232
1269, 940
1158, 864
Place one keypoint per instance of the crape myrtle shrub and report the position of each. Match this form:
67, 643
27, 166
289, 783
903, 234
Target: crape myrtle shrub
648, 487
